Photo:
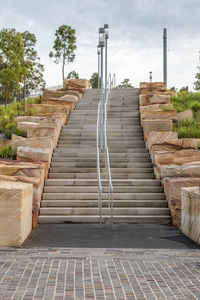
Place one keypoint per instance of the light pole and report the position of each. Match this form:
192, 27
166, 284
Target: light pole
101, 45
98, 53
150, 76
165, 56
106, 26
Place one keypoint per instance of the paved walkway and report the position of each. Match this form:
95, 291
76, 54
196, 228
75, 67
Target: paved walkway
76, 270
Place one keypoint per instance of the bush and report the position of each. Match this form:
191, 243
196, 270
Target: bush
166, 108
36, 100
187, 129
6, 152
186, 100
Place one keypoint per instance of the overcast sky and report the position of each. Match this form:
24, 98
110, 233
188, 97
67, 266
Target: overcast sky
135, 44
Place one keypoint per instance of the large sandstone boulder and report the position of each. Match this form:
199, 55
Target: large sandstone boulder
156, 125
158, 114
58, 119
185, 170
172, 189
150, 99
34, 154
174, 157
154, 107
185, 115
76, 84
60, 101
190, 221
45, 108
54, 116
15, 213
157, 138
60, 93
153, 85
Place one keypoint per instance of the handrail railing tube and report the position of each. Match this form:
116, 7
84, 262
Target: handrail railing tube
98, 168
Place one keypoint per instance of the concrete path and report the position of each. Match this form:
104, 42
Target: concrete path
146, 236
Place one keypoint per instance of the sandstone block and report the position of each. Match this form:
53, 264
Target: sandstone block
158, 114
157, 138
174, 157
60, 101
189, 170
45, 108
76, 84
15, 213
50, 132
154, 107
156, 125
190, 223
185, 115
33, 154
172, 189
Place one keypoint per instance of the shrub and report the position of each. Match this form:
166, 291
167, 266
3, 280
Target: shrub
6, 152
36, 100
166, 108
31, 111
186, 100
187, 129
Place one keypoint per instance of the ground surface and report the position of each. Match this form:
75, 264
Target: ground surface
101, 262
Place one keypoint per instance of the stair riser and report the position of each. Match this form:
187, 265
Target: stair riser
143, 183
91, 189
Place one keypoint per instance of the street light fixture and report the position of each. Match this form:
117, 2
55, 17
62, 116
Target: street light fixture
150, 76
106, 29
101, 46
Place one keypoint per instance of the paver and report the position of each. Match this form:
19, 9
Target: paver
70, 273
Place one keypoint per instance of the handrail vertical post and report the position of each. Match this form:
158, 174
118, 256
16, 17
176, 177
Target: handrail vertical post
98, 53
101, 99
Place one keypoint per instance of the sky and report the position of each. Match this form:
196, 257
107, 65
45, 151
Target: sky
135, 43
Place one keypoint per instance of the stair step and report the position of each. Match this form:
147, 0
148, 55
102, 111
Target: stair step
94, 203
94, 182
154, 219
92, 170
94, 176
105, 211
94, 196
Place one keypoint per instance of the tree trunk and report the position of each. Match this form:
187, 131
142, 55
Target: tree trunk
6, 96
24, 89
63, 71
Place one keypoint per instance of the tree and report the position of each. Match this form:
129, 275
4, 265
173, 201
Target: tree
64, 46
94, 81
184, 89
125, 84
73, 75
197, 83
11, 55
173, 89
33, 76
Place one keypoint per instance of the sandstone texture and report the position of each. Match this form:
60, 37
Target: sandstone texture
76, 84
159, 137
45, 108
33, 154
185, 170
15, 213
156, 125
70, 102
190, 223
154, 107
158, 114
172, 189
185, 115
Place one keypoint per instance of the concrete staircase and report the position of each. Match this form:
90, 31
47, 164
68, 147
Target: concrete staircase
71, 192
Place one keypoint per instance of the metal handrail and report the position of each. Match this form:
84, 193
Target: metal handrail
107, 165
99, 168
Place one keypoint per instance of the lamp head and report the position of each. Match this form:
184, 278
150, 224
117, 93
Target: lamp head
101, 37
106, 28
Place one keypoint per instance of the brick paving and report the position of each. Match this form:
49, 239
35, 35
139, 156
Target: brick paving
69, 273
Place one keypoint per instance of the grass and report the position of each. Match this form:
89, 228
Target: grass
185, 101
8, 113
6, 152
187, 128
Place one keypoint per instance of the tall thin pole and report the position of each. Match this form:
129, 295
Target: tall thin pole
98, 53
101, 99
165, 56
106, 55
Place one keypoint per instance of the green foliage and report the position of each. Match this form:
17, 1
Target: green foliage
31, 111
125, 84
33, 76
94, 81
197, 83
36, 100
64, 46
186, 100
166, 108
173, 89
184, 89
8, 113
187, 129
73, 75
6, 152
11, 55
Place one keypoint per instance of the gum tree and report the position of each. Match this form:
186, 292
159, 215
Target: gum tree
11, 55
64, 46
